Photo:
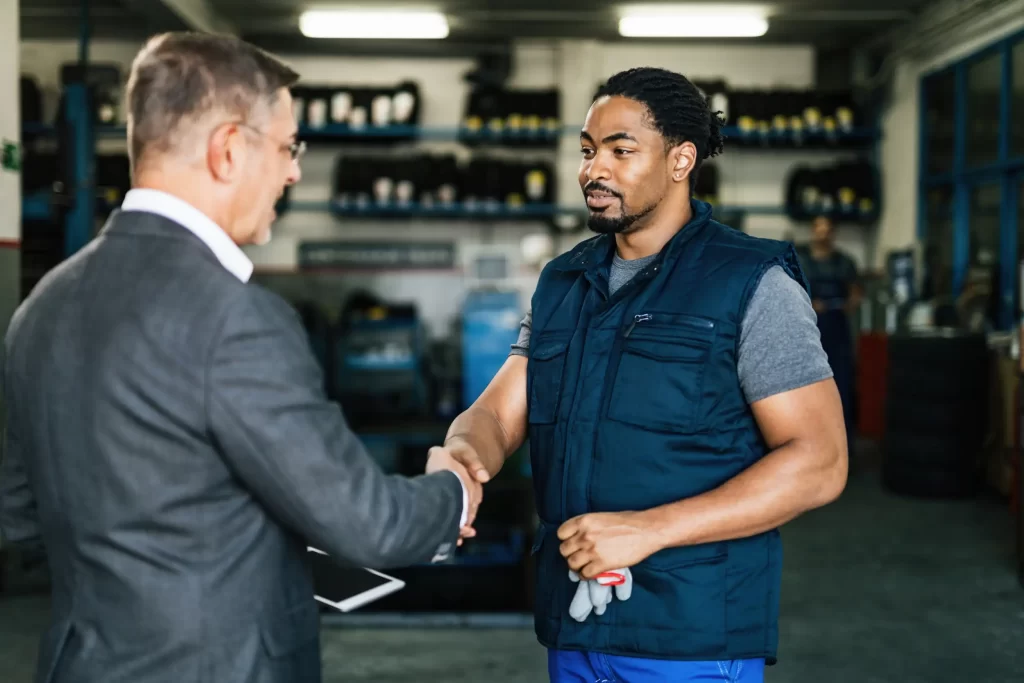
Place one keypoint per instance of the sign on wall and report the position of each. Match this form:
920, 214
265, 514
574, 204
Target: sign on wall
376, 255
10, 156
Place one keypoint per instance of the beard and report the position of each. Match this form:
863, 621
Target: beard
618, 225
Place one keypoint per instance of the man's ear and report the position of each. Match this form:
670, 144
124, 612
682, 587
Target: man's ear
224, 152
684, 158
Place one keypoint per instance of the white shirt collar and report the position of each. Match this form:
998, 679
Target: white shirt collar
181, 212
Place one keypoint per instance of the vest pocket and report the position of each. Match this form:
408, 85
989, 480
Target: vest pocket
546, 365
681, 590
659, 383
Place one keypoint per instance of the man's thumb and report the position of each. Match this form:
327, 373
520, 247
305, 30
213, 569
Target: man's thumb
476, 467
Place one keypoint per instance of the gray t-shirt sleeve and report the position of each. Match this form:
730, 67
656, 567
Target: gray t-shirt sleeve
522, 345
780, 346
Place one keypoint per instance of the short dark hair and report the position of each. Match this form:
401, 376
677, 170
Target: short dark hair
181, 76
675, 107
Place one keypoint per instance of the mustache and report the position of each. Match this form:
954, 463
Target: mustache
594, 186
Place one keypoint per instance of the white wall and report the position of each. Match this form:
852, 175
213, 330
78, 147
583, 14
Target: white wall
901, 123
575, 67
10, 120
10, 181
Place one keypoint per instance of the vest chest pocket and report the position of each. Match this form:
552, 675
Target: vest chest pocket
544, 373
659, 383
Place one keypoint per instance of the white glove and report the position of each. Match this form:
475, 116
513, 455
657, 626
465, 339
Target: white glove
595, 594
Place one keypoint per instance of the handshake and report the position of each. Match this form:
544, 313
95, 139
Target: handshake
461, 458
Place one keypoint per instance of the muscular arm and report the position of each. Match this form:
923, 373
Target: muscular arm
493, 427
805, 469
785, 376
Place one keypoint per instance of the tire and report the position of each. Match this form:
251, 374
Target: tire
930, 451
935, 422
943, 348
922, 482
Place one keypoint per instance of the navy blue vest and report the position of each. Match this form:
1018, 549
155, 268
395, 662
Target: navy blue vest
635, 402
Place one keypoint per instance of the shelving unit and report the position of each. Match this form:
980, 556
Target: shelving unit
820, 140
39, 206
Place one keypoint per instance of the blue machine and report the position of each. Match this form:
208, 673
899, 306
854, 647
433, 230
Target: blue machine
490, 327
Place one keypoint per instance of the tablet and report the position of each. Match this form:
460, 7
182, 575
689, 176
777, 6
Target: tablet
347, 588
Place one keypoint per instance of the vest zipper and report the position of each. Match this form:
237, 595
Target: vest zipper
638, 318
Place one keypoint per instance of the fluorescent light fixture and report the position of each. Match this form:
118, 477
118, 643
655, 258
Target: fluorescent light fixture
380, 24
692, 21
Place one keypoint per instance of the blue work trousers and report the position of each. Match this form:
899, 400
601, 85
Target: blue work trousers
587, 667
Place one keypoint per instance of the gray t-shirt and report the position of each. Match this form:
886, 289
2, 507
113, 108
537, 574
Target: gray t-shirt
780, 347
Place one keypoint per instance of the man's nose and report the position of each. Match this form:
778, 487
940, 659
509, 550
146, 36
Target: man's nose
598, 169
294, 173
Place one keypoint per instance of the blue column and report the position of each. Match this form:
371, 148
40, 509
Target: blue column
78, 224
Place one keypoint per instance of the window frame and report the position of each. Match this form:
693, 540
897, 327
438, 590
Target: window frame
1007, 170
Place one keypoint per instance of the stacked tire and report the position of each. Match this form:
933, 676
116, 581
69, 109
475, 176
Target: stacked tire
936, 413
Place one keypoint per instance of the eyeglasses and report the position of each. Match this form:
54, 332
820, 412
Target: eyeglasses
297, 149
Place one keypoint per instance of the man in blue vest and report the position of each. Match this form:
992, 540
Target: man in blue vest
679, 409
832, 277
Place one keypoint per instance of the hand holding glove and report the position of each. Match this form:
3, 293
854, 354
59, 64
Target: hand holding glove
595, 594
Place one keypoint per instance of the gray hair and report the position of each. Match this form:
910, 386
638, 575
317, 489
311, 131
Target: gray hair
178, 79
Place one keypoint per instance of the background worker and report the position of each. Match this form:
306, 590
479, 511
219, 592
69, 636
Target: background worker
836, 293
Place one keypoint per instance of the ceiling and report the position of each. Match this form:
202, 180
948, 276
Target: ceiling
475, 25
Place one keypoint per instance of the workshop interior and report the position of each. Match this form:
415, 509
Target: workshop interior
440, 178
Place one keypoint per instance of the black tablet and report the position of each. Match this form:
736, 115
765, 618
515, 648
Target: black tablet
348, 588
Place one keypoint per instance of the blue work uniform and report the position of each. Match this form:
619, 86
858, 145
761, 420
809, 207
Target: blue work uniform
831, 280
634, 401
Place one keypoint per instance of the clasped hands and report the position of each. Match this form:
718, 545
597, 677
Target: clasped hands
591, 544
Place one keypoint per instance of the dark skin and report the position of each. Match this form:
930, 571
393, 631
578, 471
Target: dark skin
823, 241
804, 428
625, 156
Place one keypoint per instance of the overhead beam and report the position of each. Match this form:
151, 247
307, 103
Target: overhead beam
164, 15
199, 15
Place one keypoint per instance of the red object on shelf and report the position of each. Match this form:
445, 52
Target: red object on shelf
872, 375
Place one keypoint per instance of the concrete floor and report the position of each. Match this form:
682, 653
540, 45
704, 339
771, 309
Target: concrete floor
876, 589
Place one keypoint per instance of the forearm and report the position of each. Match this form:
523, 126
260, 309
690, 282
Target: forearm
423, 514
482, 430
795, 478
295, 453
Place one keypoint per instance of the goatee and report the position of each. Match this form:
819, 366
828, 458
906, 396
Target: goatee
620, 225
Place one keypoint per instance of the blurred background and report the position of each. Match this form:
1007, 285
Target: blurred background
441, 176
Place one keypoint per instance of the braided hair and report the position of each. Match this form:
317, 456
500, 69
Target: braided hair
675, 108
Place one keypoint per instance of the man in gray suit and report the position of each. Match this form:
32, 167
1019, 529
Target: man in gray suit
168, 439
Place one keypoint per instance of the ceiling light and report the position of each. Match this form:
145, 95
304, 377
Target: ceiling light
693, 22
394, 24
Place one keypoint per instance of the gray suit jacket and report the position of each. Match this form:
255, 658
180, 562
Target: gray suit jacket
170, 445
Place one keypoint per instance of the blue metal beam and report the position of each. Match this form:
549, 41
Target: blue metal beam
1008, 213
78, 224
962, 193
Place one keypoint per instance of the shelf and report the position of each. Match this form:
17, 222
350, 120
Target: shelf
788, 140
779, 140
38, 207
544, 137
415, 210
